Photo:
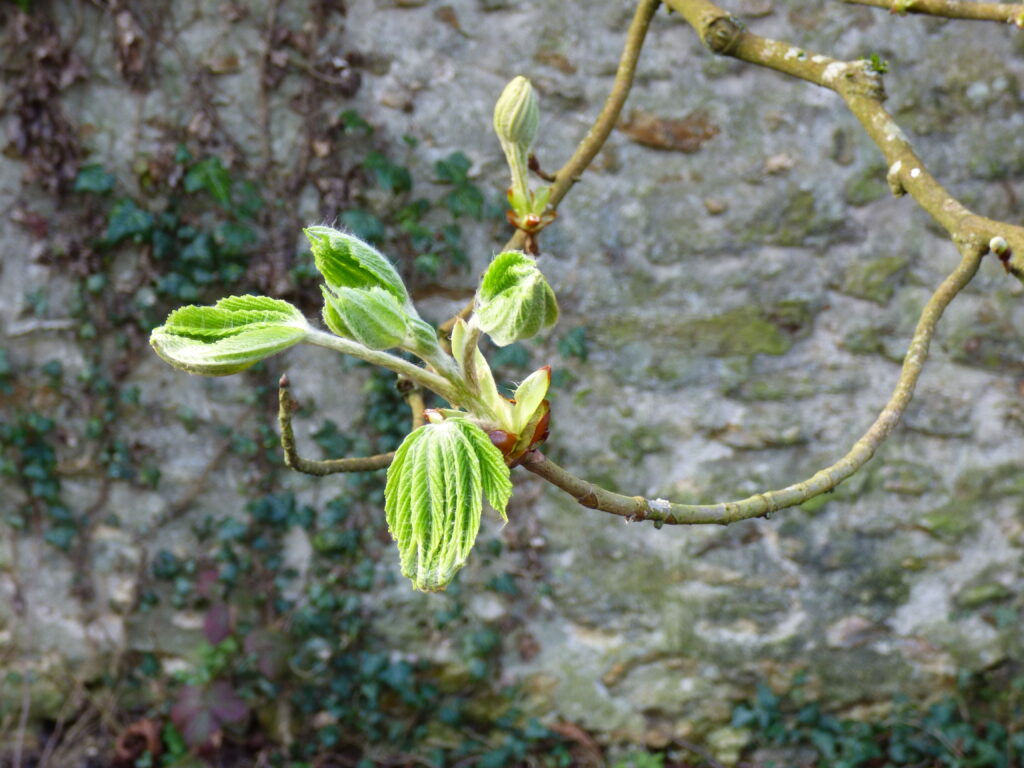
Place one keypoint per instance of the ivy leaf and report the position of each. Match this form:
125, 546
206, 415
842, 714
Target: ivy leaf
453, 169
211, 175
228, 337
432, 499
93, 178
390, 176
364, 225
128, 220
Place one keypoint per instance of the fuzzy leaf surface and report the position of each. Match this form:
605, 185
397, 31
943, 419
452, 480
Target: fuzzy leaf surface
346, 261
228, 337
514, 300
433, 498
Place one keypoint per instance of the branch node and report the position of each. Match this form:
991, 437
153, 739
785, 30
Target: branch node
860, 78
893, 178
722, 34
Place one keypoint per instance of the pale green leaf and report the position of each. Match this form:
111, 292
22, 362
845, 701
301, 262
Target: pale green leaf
482, 371
528, 396
228, 337
489, 389
504, 272
494, 473
346, 261
514, 300
433, 497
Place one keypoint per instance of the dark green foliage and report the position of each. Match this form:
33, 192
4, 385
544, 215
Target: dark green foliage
93, 178
275, 635
210, 175
574, 345
966, 731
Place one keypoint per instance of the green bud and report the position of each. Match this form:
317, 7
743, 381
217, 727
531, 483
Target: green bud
372, 317
516, 119
514, 300
516, 115
346, 261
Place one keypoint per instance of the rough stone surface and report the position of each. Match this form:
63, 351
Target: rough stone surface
734, 345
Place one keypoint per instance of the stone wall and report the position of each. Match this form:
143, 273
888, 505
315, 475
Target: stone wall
747, 290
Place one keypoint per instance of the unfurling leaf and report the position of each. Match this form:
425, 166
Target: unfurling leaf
514, 300
228, 337
372, 317
528, 397
347, 262
481, 373
433, 495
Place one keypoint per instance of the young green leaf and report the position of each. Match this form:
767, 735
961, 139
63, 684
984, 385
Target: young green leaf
228, 337
432, 498
346, 261
528, 396
514, 300
486, 386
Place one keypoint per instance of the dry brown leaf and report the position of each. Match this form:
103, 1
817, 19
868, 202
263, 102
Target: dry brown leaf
676, 134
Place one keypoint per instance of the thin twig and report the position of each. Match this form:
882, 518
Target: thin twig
587, 150
1007, 13
286, 405
661, 511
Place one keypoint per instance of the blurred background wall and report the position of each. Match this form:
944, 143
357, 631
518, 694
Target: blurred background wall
737, 287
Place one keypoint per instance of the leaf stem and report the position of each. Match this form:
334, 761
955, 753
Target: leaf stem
450, 390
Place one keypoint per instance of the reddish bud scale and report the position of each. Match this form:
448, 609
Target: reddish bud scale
541, 432
504, 441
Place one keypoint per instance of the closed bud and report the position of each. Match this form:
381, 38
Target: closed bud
372, 317
516, 115
514, 300
516, 119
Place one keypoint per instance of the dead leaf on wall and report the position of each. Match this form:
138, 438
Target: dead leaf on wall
675, 134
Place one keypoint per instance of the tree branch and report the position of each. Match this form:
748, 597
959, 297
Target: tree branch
1008, 13
587, 150
286, 405
599, 132
862, 90
661, 511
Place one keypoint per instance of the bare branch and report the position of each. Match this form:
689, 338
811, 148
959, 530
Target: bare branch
661, 511
861, 88
286, 405
1007, 13
587, 150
